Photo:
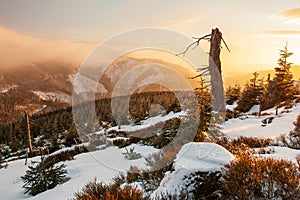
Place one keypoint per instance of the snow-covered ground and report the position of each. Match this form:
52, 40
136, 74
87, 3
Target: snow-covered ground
103, 165
251, 126
53, 96
149, 122
106, 163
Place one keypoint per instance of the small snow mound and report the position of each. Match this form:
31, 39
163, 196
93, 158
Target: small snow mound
202, 156
231, 107
254, 109
191, 158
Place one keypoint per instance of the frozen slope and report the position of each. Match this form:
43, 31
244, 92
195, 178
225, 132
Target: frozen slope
102, 164
107, 163
250, 126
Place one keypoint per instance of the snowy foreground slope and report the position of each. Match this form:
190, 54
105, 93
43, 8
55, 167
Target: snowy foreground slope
107, 163
103, 164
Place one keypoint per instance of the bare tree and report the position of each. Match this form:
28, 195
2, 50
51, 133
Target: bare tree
214, 68
28, 130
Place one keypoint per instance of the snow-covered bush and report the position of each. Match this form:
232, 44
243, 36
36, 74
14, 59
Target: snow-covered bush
159, 164
261, 178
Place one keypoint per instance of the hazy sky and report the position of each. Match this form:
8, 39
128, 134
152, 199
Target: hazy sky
35, 30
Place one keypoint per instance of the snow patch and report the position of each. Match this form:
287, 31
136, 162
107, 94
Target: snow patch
283, 153
231, 107
84, 85
250, 126
149, 122
6, 89
53, 96
254, 109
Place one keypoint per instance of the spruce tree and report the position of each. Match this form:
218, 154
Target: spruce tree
252, 94
284, 85
42, 176
294, 136
233, 94
204, 101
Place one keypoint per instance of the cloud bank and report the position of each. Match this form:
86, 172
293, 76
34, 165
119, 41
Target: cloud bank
293, 13
18, 48
289, 16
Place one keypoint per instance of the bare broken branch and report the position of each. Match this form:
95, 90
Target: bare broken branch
202, 69
197, 42
225, 44
199, 75
194, 44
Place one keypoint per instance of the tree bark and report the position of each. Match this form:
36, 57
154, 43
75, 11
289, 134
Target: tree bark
218, 99
28, 131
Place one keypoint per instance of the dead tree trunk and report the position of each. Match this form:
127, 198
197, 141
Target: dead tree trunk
28, 131
218, 101
217, 88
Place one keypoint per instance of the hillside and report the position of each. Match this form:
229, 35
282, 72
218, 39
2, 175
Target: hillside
106, 163
34, 88
49, 86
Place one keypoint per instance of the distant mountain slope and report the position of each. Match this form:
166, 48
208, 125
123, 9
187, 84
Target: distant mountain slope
32, 87
39, 76
50, 85
124, 64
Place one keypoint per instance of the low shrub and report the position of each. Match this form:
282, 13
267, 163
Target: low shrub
264, 150
121, 142
159, 164
237, 149
261, 178
244, 145
64, 155
231, 114
149, 179
253, 142
101, 191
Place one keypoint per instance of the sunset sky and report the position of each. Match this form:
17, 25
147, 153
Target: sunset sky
67, 30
